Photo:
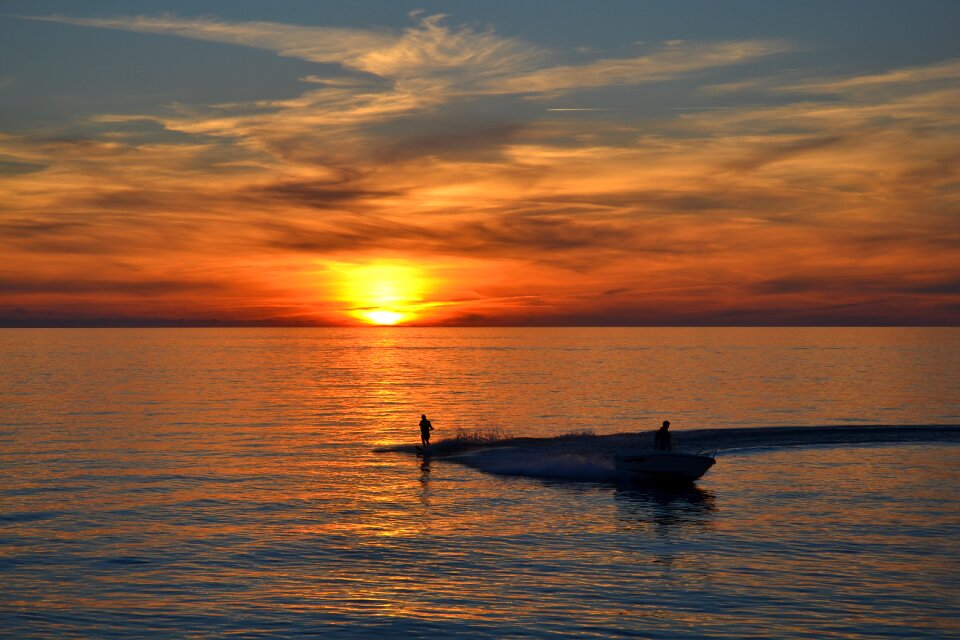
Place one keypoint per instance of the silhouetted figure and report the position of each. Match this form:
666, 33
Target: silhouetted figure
662, 439
425, 429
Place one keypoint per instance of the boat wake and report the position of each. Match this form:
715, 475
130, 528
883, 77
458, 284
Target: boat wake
591, 457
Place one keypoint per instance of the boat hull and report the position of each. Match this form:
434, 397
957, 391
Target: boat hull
663, 465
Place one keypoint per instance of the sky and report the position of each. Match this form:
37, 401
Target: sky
499, 163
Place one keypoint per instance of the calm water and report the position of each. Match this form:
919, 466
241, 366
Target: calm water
172, 483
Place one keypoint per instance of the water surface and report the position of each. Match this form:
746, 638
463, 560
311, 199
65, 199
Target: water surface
164, 483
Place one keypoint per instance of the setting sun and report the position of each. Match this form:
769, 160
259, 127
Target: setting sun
384, 317
382, 293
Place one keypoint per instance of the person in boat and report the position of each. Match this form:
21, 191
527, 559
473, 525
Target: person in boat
662, 438
425, 429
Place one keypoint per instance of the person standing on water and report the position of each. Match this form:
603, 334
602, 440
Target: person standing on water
425, 429
662, 438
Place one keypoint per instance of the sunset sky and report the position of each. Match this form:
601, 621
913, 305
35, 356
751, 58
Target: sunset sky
479, 163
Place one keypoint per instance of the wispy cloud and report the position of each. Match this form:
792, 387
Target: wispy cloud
672, 60
948, 70
313, 43
472, 60
428, 48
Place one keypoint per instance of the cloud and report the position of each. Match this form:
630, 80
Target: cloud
432, 48
428, 48
315, 44
862, 283
784, 151
947, 70
673, 60
462, 59
14, 166
319, 194
83, 286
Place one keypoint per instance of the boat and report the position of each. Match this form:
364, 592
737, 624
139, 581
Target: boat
663, 465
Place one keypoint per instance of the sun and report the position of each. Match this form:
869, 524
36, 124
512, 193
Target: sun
383, 317
382, 293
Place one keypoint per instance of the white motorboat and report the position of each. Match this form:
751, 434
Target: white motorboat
663, 465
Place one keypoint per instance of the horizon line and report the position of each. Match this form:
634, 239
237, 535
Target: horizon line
228, 325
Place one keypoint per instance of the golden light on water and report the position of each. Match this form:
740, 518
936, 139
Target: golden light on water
382, 293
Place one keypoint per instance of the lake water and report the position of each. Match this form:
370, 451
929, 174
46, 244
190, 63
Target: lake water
201, 482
